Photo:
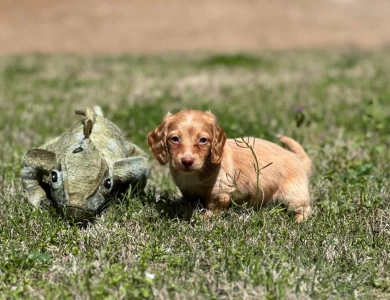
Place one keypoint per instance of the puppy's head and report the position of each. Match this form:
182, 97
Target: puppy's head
188, 139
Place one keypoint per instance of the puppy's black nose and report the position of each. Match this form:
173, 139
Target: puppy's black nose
187, 161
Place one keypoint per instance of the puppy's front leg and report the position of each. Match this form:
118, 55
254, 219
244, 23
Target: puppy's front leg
216, 203
193, 199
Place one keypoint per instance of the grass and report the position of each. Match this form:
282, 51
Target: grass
337, 104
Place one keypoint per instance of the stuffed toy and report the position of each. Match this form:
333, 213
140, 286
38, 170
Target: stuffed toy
80, 171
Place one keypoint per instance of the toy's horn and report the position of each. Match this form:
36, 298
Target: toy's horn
89, 121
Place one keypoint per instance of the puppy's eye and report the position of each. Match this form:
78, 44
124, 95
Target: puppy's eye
175, 139
202, 140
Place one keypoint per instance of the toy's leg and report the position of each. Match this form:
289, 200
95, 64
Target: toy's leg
36, 164
133, 171
48, 145
134, 150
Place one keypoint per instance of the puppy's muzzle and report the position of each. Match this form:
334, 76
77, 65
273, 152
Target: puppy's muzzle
187, 161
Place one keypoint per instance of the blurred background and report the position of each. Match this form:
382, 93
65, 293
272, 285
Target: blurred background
156, 26
251, 63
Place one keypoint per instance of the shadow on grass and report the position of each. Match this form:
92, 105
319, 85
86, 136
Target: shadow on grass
173, 207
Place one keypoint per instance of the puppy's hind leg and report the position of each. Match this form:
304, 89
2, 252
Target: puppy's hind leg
296, 197
302, 213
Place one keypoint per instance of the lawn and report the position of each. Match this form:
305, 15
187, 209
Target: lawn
335, 103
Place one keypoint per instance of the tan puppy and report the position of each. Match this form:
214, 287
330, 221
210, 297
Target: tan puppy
205, 165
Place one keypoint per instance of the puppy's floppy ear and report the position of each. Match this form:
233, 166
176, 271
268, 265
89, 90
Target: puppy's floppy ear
157, 142
219, 139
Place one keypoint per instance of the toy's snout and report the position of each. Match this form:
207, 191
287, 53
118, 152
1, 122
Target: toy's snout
81, 183
78, 210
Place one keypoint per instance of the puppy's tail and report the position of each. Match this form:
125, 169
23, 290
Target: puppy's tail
298, 150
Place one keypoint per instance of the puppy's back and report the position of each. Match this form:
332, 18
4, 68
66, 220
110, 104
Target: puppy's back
276, 164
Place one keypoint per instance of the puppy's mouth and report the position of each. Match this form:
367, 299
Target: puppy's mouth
186, 169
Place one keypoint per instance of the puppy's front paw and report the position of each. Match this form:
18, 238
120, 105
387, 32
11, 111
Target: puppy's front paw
208, 215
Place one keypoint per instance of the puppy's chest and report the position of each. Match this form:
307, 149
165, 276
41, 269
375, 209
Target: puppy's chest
189, 183
195, 185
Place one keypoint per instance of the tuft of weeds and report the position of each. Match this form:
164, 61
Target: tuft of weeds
156, 246
236, 60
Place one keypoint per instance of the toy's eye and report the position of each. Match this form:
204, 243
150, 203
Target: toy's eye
55, 179
54, 176
77, 150
107, 183
202, 140
175, 139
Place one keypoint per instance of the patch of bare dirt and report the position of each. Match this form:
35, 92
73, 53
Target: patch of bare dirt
152, 26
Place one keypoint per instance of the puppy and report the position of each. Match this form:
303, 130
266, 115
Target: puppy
205, 165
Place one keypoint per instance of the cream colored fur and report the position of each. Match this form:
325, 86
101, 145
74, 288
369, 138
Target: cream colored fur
223, 169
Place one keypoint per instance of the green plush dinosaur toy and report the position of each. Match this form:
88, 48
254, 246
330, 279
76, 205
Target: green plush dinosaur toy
79, 171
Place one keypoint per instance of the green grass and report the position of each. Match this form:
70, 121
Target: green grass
337, 104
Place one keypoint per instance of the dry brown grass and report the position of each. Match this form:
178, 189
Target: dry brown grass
145, 26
